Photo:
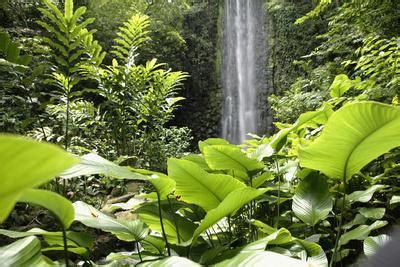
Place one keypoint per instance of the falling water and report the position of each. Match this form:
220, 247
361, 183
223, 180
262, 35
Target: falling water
243, 68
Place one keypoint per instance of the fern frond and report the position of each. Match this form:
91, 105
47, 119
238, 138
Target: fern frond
133, 33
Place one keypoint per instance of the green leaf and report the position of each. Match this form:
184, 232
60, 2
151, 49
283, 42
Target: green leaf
308, 119
355, 135
364, 196
234, 201
174, 224
211, 142
265, 228
170, 262
196, 186
316, 255
199, 160
163, 185
124, 230
259, 180
74, 238
230, 157
26, 163
312, 201
24, 60
4, 41
23, 252
340, 85
61, 207
93, 164
69, 9
262, 258
361, 232
372, 213
283, 237
373, 243
13, 52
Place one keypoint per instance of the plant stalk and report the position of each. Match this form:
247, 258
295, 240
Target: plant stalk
279, 188
64, 233
162, 225
337, 247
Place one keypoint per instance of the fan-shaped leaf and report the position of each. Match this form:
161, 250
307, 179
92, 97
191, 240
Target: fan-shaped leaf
373, 243
94, 164
124, 230
308, 119
197, 186
234, 201
312, 201
26, 163
58, 205
262, 259
173, 261
354, 135
23, 252
230, 157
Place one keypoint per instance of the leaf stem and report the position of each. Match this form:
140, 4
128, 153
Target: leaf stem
64, 233
138, 249
279, 189
162, 225
175, 221
339, 232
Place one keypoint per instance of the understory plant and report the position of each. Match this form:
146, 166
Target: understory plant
305, 196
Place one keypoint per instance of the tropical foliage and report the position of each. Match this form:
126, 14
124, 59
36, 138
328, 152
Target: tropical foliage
95, 171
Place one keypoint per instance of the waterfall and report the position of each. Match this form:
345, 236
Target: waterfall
243, 74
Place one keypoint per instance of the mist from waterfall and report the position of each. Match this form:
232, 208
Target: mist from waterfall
243, 68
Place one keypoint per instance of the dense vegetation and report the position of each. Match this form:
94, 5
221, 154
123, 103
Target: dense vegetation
102, 105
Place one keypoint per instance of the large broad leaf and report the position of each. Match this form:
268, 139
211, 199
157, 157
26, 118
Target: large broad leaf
197, 186
230, 157
354, 136
211, 142
373, 243
124, 230
234, 201
74, 239
94, 164
163, 186
308, 119
23, 252
25, 163
262, 259
312, 201
315, 253
177, 228
61, 207
364, 196
372, 213
173, 261
341, 85
361, 232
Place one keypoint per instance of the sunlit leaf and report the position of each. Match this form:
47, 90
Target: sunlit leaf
94, 164
353, 136
194, 185
26, 163
124, 230
361, 232
23, 252
58, 205
234, 201
373, 243
230, 157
